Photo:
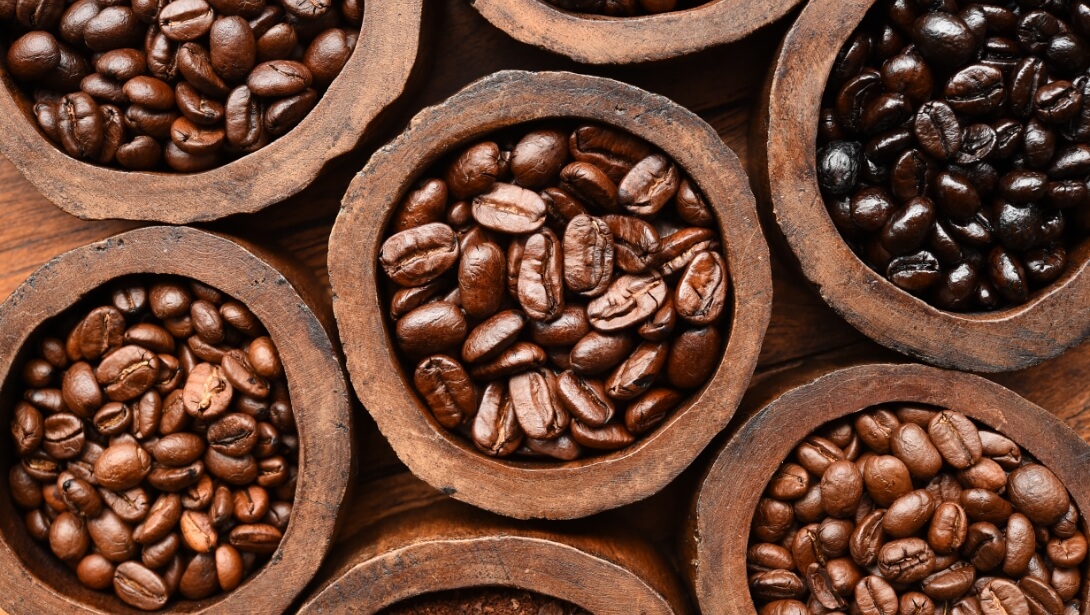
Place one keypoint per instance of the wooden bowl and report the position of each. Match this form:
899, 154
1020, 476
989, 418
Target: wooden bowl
443, 459
715, 542
449, 545
598, 39
1054, 319
376, 74
34, 580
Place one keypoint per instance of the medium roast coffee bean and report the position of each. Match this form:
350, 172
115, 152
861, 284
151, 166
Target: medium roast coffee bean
576, 274
941, 537
139, 483
194, 51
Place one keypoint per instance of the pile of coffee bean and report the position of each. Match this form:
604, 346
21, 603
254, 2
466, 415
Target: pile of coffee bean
912, 510
157, 446
186, 85
557, 289
954, 146
625, 8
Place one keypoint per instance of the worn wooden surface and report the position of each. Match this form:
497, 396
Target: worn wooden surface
1053, 320
720, 85
319, 396
785, 410
376, 74
584, 486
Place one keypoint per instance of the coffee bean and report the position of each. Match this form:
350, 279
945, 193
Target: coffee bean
434, 326
507, 208
257, 538
496, 429
588, 256
541, 277
701, 293
636, 242
33, 55
874, 596
1037, 492
538, 157
95, 572
199, 580
279, 78
446, 387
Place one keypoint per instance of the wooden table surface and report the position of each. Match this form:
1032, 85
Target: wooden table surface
721, 85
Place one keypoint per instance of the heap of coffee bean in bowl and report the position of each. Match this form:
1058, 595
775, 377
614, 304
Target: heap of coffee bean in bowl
954, 146
156, 443
625, 8
913, 510
557, 291
186, 85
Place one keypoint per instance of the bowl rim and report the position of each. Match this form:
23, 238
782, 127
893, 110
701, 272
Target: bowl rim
593, 569
1055, 318
323, 414
440, 458
749, 458
376, 75
599, 39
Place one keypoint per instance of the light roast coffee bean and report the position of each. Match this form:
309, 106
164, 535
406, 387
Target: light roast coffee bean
556, 289
139, 462
943, 537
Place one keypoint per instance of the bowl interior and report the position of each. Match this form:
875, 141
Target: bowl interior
37, 557
1078, 255
433, 164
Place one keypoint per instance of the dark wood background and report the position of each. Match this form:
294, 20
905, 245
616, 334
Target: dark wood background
722, 85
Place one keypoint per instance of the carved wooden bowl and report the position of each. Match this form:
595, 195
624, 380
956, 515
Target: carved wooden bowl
519, 489
377, 73
1054, 319
598, 39
449, 545
34, 580
794, 405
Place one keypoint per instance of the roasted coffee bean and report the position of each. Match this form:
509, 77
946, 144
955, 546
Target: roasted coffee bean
598, 352
636, 242
588, 256
447, 389
257, 538
536, 404
538, 157
541, 277
1037, 492
507, 208
841, 488
122, 466
496, 429
628, 300
420, 255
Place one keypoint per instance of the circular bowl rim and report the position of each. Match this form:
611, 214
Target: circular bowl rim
379, 68
323, 414
599, 39
1056, 317
436, 456
765, 440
